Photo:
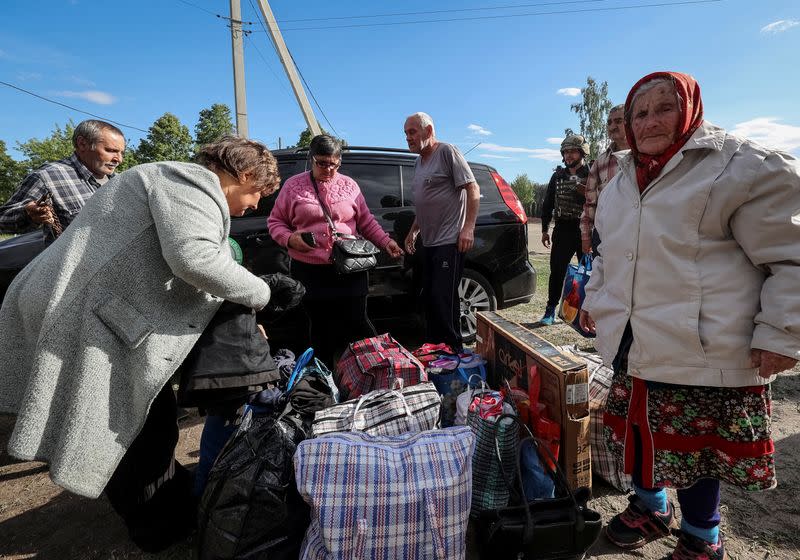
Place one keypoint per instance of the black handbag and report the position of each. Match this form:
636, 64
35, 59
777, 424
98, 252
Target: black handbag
351, 253
543, 529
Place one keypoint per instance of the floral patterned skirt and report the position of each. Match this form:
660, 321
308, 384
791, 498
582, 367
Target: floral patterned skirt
691, 432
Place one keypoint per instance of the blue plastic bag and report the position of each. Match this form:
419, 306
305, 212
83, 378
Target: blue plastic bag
573, 294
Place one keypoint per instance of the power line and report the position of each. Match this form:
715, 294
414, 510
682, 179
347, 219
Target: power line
324, 116
399, 14
248, 43
473, 147
213, 13
72, 108
503, 16
275, 47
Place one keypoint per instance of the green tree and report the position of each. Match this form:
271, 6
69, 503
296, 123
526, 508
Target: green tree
167, 140
593, 112
306, 136
530, 193
214, 123
53, 148
11, 173
130, 158
524, 189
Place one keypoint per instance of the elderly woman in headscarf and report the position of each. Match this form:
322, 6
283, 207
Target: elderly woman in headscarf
94, 327
694, 301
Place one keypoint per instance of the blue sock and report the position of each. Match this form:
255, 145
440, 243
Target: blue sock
709, 535
654, 500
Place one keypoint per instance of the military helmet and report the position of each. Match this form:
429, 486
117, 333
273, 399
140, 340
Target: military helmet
576, 142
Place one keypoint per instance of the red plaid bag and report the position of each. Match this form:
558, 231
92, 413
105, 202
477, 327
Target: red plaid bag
373, 363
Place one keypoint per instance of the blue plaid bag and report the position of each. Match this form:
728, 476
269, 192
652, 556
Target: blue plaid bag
386, 497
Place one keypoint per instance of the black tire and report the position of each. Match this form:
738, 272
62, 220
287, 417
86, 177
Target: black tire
475, 294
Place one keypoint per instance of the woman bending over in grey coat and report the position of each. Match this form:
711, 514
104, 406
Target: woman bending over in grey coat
94, 327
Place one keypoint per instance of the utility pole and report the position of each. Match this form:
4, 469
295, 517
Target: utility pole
288, 65
238, 69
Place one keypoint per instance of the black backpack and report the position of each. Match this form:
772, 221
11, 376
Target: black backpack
251, 508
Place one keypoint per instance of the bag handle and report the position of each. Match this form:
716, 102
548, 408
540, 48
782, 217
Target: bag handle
299, 366
410, 418
301, 370
560, 477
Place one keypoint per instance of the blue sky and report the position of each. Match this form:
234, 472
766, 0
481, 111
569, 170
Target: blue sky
505, 79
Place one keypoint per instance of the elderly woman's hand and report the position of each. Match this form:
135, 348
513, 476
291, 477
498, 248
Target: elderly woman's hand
586, 322
394, 249
296, 242
770, 363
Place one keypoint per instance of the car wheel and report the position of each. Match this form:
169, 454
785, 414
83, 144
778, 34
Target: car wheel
475, 294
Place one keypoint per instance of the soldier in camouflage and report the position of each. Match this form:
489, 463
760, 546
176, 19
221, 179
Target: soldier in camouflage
564, 200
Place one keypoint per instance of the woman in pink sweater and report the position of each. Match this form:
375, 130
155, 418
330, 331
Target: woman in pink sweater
336, 304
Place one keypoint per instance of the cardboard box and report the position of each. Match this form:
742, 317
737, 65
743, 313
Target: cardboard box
512, 351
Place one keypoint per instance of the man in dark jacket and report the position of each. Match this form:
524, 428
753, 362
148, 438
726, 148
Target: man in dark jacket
564, 200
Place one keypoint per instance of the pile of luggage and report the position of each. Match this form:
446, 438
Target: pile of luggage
393, 456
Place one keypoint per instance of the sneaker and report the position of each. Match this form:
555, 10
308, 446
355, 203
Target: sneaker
692, 548
549, 316
637, 525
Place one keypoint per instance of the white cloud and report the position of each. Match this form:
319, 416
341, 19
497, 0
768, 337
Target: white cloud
569, 91
779, 26
547, 154
99, 97
510, 149
478, 129
554, 140
494, 156
771, 133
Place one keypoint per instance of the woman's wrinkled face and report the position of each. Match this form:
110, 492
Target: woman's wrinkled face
654, 119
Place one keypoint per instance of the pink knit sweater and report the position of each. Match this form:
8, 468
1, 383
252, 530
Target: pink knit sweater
297, 209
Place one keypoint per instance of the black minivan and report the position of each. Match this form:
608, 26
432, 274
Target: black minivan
497, 271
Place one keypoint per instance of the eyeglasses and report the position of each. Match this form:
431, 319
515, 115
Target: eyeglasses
327, 164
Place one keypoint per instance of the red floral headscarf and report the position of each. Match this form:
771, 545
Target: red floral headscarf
648, 167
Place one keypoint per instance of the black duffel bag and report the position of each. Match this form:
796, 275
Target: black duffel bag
543, 529
250, 508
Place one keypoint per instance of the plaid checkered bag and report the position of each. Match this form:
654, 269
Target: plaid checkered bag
490, 490
604, 463
386, 497
372, 363
383, 412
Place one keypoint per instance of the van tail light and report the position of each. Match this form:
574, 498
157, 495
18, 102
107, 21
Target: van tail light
510, 197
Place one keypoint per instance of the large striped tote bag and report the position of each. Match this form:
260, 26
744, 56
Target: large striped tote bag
386, 497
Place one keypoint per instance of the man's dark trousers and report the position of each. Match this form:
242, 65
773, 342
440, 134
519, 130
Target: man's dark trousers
442, 267
566, 244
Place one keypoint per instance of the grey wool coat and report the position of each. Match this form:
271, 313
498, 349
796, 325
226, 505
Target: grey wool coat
93, 328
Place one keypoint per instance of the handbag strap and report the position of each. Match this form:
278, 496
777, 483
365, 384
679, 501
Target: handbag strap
327, 214
560, 477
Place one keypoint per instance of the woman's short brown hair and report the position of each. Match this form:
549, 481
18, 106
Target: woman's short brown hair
236, 155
